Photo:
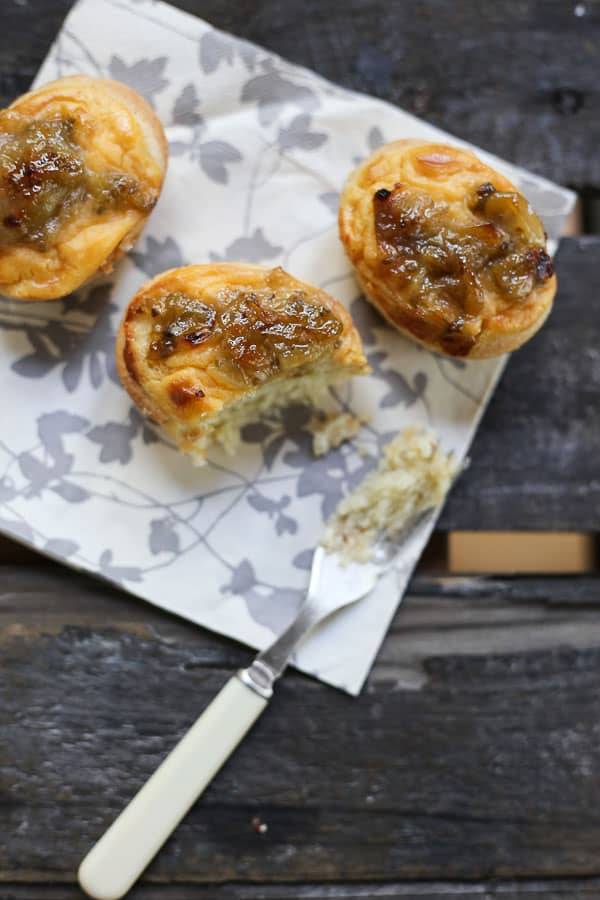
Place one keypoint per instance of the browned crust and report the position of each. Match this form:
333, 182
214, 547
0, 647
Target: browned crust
156, 145
139, 106
495, 341
129, 358
127, 371
500, 333
186, 394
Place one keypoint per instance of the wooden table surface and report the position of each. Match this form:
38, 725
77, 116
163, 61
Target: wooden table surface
470, 765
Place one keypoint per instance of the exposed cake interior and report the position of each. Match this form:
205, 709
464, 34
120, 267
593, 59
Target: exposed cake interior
224, 428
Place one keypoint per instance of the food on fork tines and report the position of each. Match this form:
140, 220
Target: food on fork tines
447, 249
204, 350
82, 162
414, 475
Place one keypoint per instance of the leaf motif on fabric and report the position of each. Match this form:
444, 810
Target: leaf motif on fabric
147, 76
185, 109
271, 450
81, 341
273, 607
213, 49
324, 477
158, 256
271, 91
118, 573
115, 439
215, 157
49, 469
163, 537
61, 547
255, 248
303, 560
298, 135
72, 493
243, 578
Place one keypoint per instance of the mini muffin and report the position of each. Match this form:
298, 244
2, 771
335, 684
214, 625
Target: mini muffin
447, 249
82, 162
204, 350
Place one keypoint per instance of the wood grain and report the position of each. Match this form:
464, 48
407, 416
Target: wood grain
533, 460
491, 768
526, 889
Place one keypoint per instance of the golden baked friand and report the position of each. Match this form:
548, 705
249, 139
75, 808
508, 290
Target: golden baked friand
447, 249
205, 349
82, 162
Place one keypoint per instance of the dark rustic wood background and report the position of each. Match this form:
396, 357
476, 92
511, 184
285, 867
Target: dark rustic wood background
470, 766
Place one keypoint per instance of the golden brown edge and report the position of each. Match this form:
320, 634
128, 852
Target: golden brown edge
488, 345
158, 146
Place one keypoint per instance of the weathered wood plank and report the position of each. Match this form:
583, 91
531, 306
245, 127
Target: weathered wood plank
534, 455
518, 78
554, 889
492, 768
555, 590
440, 615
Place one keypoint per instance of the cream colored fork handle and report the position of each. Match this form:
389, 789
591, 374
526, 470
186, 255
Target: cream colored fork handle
123, 852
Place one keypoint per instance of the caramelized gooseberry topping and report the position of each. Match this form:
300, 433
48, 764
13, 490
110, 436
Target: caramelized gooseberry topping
180, 322
44, 180
252, 334
445, 265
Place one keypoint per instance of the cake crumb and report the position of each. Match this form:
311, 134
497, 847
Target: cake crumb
413, 475
258, 825
333, 430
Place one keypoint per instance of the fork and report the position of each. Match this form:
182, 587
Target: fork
120, 856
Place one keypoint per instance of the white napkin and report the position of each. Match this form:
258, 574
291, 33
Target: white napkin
259, 151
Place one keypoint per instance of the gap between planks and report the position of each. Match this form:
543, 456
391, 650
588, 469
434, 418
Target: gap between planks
439, 617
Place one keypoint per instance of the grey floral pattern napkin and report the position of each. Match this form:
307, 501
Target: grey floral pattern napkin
259, 150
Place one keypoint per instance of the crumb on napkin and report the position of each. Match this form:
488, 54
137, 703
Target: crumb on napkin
333, 430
